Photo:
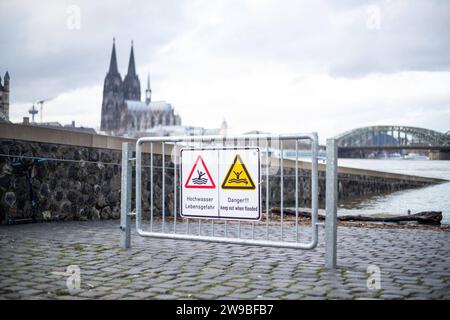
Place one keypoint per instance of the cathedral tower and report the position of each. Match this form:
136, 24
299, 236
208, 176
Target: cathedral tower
123, 112
131, 83
112, 96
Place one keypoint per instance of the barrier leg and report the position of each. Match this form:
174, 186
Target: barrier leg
331, 205
125, 202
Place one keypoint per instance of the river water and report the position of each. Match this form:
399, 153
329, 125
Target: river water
432, 198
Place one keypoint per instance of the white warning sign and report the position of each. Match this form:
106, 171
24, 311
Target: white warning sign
221, 183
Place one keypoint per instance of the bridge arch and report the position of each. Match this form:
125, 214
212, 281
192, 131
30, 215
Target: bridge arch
393, 136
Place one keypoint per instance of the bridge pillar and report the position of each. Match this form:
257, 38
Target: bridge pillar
439, 155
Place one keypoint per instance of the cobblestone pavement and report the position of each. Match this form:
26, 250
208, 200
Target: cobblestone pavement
414, 264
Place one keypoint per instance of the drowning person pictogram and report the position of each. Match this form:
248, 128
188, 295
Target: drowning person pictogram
200, 180
238, 176
237, 180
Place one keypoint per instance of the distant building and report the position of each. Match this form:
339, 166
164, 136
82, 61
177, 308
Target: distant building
57, 125
161, 131
123, 112
4, 98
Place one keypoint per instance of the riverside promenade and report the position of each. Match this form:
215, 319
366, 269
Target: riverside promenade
413, 264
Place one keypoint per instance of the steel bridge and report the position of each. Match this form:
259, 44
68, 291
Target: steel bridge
394, 138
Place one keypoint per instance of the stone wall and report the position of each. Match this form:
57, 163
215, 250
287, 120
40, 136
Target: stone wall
51, 182
83, 183
350, 186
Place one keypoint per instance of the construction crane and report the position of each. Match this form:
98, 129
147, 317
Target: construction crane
41, 103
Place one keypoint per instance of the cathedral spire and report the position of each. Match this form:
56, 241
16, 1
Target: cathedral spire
113, 64
131, 83
112, 96
6, 81
131, 64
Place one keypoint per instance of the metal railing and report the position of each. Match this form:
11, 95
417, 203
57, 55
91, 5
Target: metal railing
268, 232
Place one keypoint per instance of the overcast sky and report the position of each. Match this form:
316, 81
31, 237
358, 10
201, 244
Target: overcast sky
278, 66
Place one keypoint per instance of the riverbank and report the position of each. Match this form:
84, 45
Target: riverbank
431, 198
371, 225
289, 221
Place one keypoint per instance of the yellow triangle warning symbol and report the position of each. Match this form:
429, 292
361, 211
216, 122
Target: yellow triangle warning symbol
238, 176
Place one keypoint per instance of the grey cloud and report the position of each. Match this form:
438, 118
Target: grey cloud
45, 58
335, 36
410, 38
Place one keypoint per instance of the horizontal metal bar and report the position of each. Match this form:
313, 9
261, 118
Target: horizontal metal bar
240, 241
309, 136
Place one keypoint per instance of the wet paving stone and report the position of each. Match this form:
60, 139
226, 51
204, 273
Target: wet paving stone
34, 260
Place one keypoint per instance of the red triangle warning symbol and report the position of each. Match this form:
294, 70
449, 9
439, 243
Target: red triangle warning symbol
199, 177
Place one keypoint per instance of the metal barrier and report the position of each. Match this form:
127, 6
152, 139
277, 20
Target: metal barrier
262, 233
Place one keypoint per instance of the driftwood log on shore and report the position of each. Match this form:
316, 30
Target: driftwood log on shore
426, 217
290, 212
